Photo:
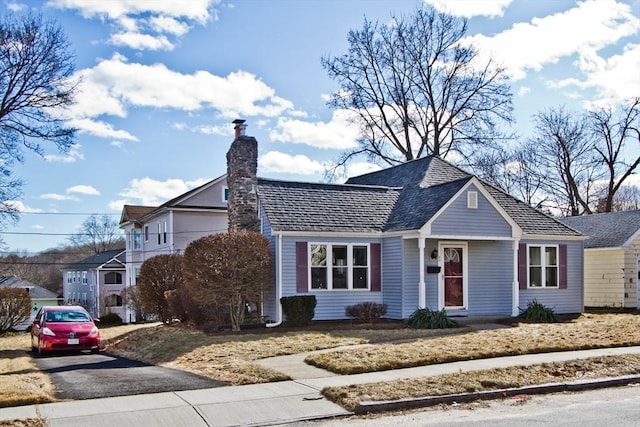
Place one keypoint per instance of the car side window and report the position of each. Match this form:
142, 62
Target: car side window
39, 315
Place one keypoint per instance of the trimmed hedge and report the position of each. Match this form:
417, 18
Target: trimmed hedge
299, 309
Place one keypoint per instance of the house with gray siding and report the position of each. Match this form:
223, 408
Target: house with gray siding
97, 283
421, 234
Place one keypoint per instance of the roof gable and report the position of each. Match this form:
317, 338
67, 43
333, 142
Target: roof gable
106, 258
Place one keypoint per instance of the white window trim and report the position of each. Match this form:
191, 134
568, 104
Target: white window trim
330, 267
543, 266
146, 232
225, 191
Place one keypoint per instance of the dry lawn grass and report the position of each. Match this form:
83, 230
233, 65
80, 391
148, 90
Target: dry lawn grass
491, 379
228, 357
587, 331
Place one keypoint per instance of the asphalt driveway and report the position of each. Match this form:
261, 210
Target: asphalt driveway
87, 376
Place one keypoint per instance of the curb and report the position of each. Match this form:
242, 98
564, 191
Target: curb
422, 402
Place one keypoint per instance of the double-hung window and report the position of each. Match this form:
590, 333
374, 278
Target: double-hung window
136, 239
339, 266
543, 266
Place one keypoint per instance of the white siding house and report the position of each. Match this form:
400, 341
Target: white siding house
611, 258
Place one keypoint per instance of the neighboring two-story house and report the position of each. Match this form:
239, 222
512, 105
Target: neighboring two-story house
170, 227
97, 283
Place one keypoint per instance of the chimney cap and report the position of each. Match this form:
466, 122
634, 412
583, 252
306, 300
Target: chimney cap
238, 121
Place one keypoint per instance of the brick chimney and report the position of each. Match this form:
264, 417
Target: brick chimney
242, 181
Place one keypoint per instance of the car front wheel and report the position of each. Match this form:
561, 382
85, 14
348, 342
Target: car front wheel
41, 350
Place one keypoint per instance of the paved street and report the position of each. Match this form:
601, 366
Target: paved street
619, 406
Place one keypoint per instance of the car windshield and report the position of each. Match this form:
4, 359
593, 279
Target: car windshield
67, 316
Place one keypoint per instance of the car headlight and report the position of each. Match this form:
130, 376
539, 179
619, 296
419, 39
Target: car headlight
94, 330
47, 331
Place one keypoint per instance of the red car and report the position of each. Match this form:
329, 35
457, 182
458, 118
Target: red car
64, 327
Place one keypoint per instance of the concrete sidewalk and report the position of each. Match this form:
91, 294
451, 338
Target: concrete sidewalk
258, 404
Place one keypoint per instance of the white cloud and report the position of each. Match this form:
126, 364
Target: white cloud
115, 83
275, 161
72, 156
151, 192
167, 24
117, 205
615, 79
524, 90
583, 30
15, 6
336, 134
470, 8
100, 129
58, 197
38, 227
197, 10
83, 189
21, 207
141, 41
138, 24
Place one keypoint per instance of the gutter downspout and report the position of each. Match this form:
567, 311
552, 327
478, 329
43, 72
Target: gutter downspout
422, 297
278, 283
516, 284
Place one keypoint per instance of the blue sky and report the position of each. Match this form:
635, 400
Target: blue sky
162, 80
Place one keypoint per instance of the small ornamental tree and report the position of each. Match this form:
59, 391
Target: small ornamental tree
229, 270
157, 275
15, 308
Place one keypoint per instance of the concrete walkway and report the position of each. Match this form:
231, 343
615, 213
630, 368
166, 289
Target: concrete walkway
259, 404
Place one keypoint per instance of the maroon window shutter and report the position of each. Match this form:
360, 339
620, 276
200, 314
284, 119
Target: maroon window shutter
376, 279
562, 266
302, 268
522, 265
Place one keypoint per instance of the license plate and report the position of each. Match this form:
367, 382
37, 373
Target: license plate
72, 341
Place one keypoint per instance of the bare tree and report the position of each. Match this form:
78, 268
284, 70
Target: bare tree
567, 160
516, 172
99, 233
415, 89
613, 136
36, 86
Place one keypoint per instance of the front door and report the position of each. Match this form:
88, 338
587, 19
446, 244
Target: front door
453, 278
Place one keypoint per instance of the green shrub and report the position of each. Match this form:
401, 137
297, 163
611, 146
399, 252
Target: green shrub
423, 318
538, 312
366, 312
299, 309
110, 319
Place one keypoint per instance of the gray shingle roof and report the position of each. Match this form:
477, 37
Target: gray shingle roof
35, 291
298, 206
403, 197
606, 230
97, 260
